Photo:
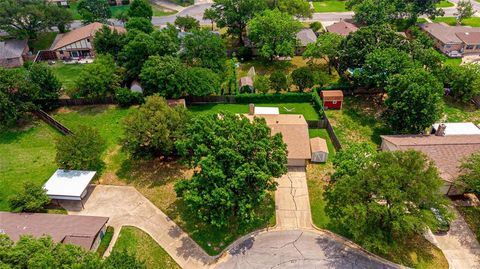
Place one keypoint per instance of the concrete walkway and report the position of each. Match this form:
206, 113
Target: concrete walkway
291, 200
125, 206
459, 245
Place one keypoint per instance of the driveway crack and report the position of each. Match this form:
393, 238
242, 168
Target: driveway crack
292, 191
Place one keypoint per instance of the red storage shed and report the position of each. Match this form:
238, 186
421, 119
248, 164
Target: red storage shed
332, 99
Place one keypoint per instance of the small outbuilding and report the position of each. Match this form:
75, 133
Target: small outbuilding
319, 149
136, 87
68, 184
332, 99
246, 85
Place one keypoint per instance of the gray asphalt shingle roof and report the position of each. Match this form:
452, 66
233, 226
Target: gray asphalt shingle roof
12, 48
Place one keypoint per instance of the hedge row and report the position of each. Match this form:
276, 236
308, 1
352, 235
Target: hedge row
317, 101
273, 98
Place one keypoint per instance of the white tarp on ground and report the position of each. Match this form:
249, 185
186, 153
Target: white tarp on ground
459, 128
68, 184
266, 110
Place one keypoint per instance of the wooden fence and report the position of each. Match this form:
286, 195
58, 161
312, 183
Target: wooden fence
52, 122
86, 101
331, 133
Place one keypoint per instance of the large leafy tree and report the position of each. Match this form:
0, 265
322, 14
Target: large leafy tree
382, 11
386, 201
140, 8
326, 47
33, 198
139, 46
202, 82
303, 77
274, 33
278, 81
381, 64
29, 252
356, 46
99, 78
352, 159
414, 101
165, 75
17, 95
465, 10
204, 49
166, 41
81, 150
234, 168
48, 84
235, 14
151, 130
469, 178
298, 8
187, 23
140, 24
94, 11
28, 17
109, 41
464, 81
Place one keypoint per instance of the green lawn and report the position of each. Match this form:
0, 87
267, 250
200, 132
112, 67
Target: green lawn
105, 242
306, 109
43, 41
329, 6
359, 121
460, 112
159, 11
471, 215
140, 244
444, 3
473, 21
67, 74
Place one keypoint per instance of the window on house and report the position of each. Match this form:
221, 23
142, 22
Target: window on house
448, 46
469, 47
477, 47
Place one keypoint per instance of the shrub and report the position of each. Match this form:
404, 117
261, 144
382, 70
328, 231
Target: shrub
262, 84
317, 101
33, 198
303, 78
81, 150
316, 26
278, 81
125, 97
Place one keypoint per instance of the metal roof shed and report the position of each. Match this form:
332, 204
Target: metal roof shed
68, 184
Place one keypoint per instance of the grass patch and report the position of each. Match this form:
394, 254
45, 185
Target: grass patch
43, 41
444, 3
329, 6
140, 244
460, 112
107, 238
318, 176
306, 109
471, 214
67, 74
359, 120
263, 67
159, 11
473, 21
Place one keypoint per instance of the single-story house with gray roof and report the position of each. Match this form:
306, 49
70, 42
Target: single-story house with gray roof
12, 53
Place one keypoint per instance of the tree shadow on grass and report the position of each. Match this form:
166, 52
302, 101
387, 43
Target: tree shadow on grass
213, 239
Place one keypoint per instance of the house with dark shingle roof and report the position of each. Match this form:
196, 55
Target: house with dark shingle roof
446, 151
451, 39
12, 52
83, 231
342, 28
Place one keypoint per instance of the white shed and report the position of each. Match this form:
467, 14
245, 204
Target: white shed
319, 150
68, 184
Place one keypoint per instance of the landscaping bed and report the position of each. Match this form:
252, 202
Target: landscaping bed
142, 245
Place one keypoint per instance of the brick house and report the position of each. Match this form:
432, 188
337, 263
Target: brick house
13, 52
454, 40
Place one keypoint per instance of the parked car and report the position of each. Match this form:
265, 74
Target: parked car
454, 54
443, 224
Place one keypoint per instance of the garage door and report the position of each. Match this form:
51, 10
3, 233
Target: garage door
297, 162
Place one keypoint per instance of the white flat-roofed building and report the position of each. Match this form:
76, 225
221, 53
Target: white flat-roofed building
266, 110
68, 184
457, 128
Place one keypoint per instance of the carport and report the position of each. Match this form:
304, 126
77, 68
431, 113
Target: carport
69, 185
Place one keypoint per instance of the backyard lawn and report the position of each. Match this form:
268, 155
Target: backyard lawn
140, 244
460, 112
473, 21
67, 74
359, 121
329, 6
306, 109
444, 3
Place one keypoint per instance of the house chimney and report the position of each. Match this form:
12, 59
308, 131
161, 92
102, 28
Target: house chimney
251, 110
441, 130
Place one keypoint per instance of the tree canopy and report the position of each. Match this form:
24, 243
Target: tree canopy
469, 178
187, 23
464, 81
298, 8
414, 101
202, 48
99, 78
327, 47
165, 75
151, 130
94, 11
140, 24
108, 41
388, 200
235, 168
140, 8
202, 82
274, 33
33, 198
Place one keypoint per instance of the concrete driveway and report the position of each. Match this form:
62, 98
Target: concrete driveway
459, 245
297, 249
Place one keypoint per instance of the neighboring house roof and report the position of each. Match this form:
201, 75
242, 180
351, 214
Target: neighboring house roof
81, 33
246, 81
332, 95
294, 130
78, 230
469, 38
342, 28
12, 48
306, 36
451, 34
459, 128
318, 144
68, 184
446, 151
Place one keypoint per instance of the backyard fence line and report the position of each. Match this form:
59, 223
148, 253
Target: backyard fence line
52, 122
108, 100
331, 133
